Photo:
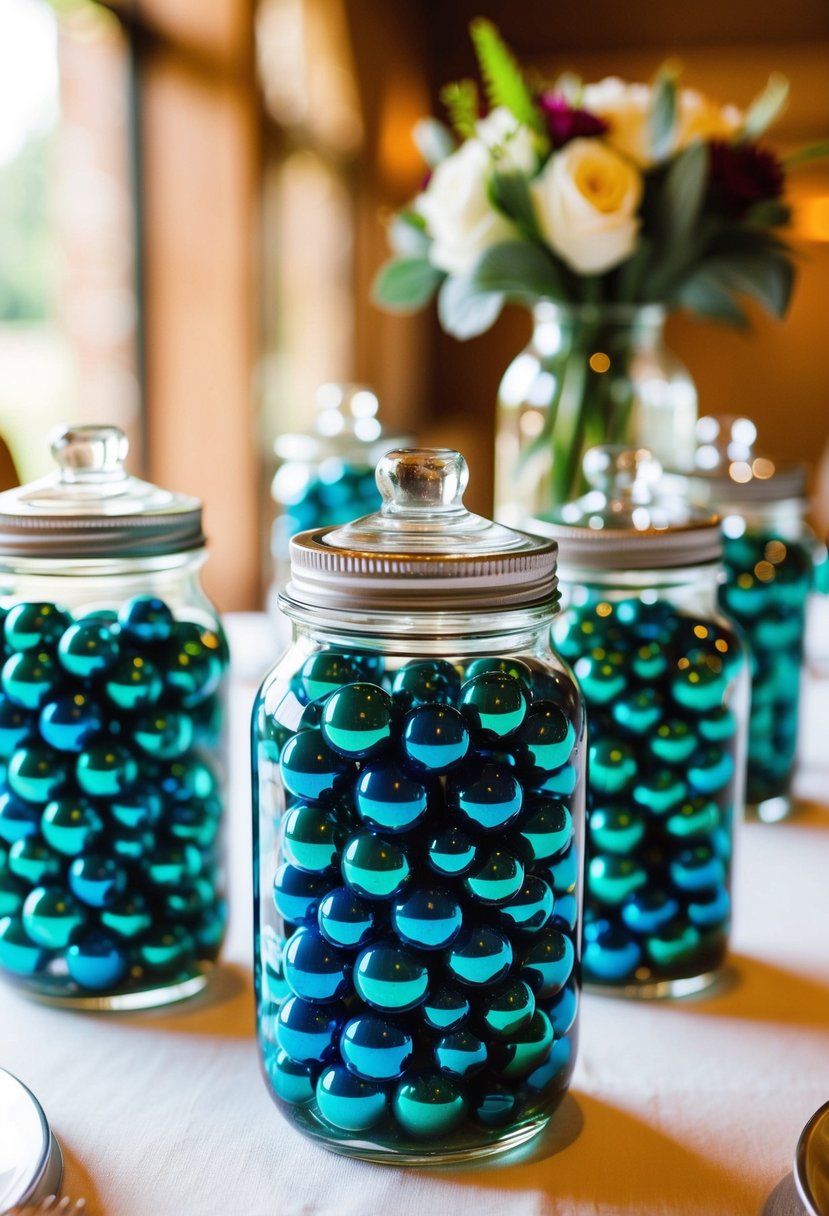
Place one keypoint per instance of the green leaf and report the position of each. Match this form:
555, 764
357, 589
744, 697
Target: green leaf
677, 216
407, 235
461, 101
766, 107
434, 141
503, 79
662, 117
406, 284
704, 295
770, 213
518, 270
805, 156
463, 310
631, 274
510, 193
767, 277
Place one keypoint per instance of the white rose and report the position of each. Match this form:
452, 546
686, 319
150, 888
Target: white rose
510, 143
626, 109
459, 215
586, 201
700, 118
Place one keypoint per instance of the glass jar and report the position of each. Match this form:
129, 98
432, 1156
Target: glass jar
112, 736
770, 554
326, 475
665, 682
590, 375
418, 808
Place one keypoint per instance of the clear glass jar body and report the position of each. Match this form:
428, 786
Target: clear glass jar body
769, 555
112, 742
590, 375
665, 681
417, 909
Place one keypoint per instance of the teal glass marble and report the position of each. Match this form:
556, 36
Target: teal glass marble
106, 769
508, 1010
297, 894
134, 682
349, 1102
194, 663
546, 829
37, 773
428, 682
494, 704
374, 1048
531, 907
52, 918
548, 963
435, 738
314, 969
323, 673
70, 721
452, 853
546, 737
87, 649
312, 836
17, 724
373, 867
357, 721
388, 799
96, 879
309, 767
390, 978
460, 1054
345, 919
428, 918
30, 678
445, 1008
488, 798
662, 781
480, 956
71, 825
292, 1081
30, 626
428, 1105
523, 1054
496, 876
146, 618
19, 955
33, 862
18, 819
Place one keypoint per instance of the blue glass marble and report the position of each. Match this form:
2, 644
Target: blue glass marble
428, 1105
357, 721
610, 954
347, 1101
451, 853
105, 769
133, 683
314, 969
564, 872
507, 1011
460, 1054
649, 910
488, 797
293, 1082
87, 649
30, 678
638, 712
312, 837
697, 868
96, 962
531, 907
546, 828
390, 978
344, 919
558, 784
435, 738
710, 908
563, 1011
388, 799
494, 704
18, 819
373, 867
427, 917
297, 894
51, 917
37, 773
97, 880
146, 618
445, 1009
16, 726
310, 768
554, 1072
523, 1054
546, 737
710, 770
496, 876
71, 825
505, 666
375, 1048
18, 953
69, 722
566, 911
195, 659
548, 963
479, 956
496, 1106
191, 776
426, 682
34, 625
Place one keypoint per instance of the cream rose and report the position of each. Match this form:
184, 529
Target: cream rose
509, 142
459, 215
700, 118
625, 108
585, 202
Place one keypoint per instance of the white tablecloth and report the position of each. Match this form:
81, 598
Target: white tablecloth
684, 1107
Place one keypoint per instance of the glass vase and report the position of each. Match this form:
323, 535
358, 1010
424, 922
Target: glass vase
590, 375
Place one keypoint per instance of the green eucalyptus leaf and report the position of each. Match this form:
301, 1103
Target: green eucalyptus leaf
704, 295
518, 270
766, 277
766, 107
805, 156
677, 217
662, 117
406, 284
434, 141
408, 236
464, 310
510, 193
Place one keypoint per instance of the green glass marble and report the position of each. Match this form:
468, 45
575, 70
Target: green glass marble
390, 978
166, 948
18, 953
357, 721
134, 683
494, 704
348, 1102
106, 769
428, 1105
612, 879
616, 829
374, 868
506, 666
33, 862
546, 828
52, 918
507, 1011
524, 1053
548, 963
673, 741
87, 649
71, 825
30, 626
30, 678
127, 916
612, 766
480, 956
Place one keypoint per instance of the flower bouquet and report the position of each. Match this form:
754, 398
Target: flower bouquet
600, 200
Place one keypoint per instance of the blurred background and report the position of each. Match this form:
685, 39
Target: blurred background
192, 199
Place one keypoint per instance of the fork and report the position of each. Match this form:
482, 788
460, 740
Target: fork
52, 1205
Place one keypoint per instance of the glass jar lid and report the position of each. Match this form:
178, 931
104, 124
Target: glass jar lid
624, 522
729, 472
423, 550
346, 427
92, 507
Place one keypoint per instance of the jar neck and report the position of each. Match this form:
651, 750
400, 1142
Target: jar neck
786, 518
691, 587
553, 322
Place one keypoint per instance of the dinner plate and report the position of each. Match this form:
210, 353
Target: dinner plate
811, 1163
31, 1163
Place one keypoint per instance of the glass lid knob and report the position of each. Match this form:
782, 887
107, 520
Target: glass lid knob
420, 482
90, 453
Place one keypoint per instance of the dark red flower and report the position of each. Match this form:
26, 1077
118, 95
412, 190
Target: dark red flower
743, 174
564, 122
